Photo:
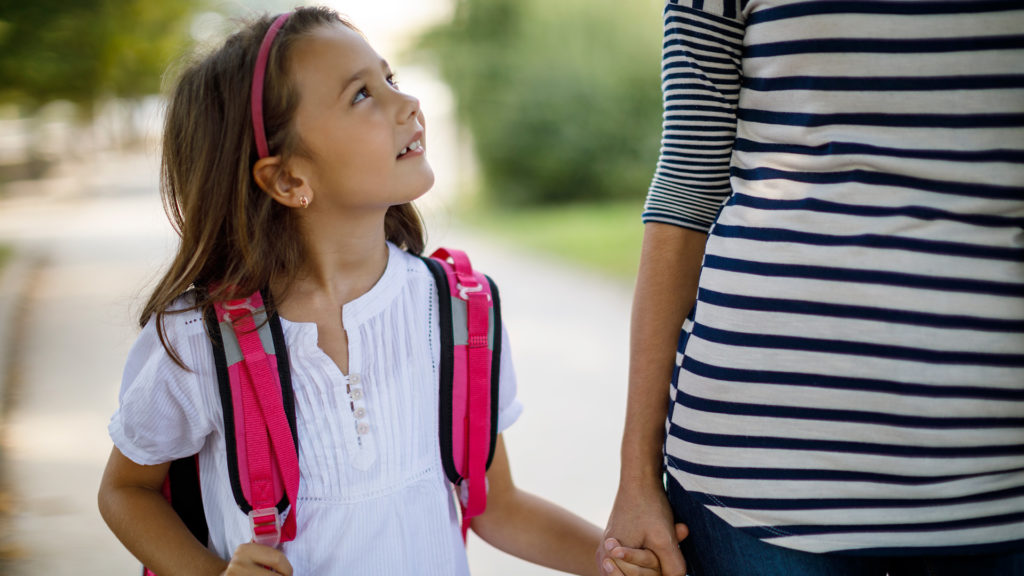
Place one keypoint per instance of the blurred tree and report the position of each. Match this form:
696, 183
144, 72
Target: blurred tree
88, 50
145, 37
562, 98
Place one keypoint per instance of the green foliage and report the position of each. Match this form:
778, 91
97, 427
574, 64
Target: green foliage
604, 237
86, 50
562, 98
149, 35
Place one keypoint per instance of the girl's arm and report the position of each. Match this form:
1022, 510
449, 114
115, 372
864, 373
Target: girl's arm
538, 531
132, 504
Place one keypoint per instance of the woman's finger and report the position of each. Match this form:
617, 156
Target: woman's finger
682, 531
669, 555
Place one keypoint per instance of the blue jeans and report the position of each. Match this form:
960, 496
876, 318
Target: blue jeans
714, 548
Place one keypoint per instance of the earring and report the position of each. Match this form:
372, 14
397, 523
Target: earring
303, 201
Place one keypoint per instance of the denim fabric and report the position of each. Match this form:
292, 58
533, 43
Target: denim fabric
714, 548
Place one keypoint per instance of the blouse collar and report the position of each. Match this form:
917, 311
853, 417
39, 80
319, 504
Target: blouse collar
380, 295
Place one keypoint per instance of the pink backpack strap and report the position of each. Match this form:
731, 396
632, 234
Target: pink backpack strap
259, 419
265, 447
469, 401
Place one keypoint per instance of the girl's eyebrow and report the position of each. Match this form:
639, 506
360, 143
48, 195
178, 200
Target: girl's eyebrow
363, 72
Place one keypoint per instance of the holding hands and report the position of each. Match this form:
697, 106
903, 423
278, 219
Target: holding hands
623, 561
643, 520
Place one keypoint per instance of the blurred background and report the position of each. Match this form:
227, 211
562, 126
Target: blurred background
543, 130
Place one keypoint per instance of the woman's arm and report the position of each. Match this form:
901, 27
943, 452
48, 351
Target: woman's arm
131, 503
665, 291
701, 76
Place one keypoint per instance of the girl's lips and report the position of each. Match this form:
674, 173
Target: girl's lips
413, 149
413, 143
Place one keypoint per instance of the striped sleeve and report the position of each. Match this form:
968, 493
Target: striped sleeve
701, 74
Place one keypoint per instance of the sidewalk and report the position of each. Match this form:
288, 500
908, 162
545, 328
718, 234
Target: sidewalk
96, 237
101, 237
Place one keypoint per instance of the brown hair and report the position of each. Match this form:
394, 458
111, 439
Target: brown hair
233, 235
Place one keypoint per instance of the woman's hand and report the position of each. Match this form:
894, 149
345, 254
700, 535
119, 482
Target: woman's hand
257, 560
643, 519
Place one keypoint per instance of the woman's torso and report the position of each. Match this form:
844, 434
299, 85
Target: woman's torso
854, 374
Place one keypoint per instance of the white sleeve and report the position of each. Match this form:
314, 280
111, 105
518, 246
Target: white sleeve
164, 413
509, 407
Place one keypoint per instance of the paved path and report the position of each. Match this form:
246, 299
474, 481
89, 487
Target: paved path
93, 241
94, 238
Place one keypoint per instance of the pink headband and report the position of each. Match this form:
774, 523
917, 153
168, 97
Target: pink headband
257, 85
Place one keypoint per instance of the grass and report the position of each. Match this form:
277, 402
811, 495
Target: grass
603, 237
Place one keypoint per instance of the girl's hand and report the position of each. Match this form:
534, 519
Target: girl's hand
257, 560
630, 561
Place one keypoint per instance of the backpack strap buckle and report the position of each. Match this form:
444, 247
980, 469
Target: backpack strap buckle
242, 304
465, 291
266, 526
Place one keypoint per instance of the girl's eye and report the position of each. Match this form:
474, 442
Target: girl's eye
364, 92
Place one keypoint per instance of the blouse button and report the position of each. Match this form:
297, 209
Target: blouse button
354, 379
357, 394
363, 428
360, 412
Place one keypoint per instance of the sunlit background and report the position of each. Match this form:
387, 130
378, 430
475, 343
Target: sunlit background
543, 127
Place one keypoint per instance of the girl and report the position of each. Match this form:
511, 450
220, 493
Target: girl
310, 197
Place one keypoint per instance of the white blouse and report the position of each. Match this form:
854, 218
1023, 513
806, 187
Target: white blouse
373, 497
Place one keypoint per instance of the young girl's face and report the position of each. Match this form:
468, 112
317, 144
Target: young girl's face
365, 139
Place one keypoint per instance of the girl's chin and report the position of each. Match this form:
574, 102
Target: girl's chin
428, 179
420, 188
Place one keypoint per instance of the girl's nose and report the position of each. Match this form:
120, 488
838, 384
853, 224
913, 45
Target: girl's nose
410, 107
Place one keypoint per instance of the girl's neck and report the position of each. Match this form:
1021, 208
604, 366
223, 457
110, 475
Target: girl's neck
344, 259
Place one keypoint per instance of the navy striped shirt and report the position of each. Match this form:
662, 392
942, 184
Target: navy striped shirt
852, 376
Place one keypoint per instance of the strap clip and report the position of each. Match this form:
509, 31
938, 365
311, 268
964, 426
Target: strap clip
266, 526
240, 304
465, 291
462, 489
235, 305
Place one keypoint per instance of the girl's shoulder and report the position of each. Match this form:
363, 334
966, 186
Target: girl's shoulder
412, 263
414, 273
174, 332
181, 320
419, 272
168, 401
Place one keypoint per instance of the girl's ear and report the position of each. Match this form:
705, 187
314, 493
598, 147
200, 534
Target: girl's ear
280, 183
